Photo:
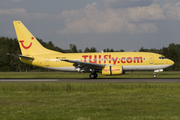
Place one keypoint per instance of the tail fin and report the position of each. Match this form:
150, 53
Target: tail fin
27, 42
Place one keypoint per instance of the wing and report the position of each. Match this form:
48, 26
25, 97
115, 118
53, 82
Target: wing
85, 65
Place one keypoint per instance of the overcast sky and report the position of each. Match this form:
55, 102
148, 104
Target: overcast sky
117, 24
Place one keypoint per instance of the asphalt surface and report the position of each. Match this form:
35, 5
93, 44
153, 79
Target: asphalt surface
122, 80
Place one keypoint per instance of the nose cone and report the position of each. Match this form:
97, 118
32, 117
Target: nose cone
170, 62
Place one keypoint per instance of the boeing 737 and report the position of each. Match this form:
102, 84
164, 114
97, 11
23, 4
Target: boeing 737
107, 63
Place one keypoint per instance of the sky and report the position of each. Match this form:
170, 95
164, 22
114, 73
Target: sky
113, 24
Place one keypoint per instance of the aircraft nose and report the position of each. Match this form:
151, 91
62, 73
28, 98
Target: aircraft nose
170, 62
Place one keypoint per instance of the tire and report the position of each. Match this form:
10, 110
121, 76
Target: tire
92, 76
154, 76
96, 75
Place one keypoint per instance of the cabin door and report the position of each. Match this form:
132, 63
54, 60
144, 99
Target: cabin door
47, 61
151, 59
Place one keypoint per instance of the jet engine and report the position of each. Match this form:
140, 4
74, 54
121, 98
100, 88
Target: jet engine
113, 70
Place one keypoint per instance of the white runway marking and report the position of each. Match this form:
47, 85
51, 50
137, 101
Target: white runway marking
26, 80
81, 80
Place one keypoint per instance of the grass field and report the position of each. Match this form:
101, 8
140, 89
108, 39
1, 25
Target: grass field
89, 101
56, 74
92, 101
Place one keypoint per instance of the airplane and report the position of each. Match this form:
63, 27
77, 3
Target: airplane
106, 63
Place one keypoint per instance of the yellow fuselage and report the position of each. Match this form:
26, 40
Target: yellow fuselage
129, 60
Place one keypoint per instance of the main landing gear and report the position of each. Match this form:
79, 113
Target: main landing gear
93, 75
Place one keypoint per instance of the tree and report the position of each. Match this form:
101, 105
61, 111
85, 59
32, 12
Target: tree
79, 51
93, 49
143, 50
73, 48
111, 50
50, 45
121, 50
86, 50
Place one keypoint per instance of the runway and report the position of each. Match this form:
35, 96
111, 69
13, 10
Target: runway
81, 80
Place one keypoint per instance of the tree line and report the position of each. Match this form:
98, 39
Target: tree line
11, 45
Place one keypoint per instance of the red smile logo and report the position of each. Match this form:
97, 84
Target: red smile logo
26, 47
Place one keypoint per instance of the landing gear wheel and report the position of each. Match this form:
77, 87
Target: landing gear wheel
154, 76
93, 75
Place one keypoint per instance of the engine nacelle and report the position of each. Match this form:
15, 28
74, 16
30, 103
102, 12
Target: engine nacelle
113, 70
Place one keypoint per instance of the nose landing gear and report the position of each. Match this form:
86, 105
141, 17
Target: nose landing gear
154, 76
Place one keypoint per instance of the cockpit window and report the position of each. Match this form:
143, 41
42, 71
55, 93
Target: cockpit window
162, 57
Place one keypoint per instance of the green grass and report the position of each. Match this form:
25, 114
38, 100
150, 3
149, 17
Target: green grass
173, 74
89, 101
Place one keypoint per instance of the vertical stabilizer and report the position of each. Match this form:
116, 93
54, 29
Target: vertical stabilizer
27, 42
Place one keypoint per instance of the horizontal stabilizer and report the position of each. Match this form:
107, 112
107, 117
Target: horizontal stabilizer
21, 56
